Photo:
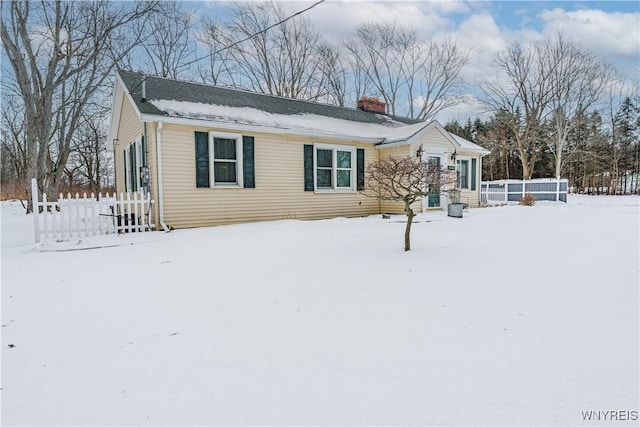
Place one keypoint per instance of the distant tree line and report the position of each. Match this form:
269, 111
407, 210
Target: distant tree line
548, 97
602, 150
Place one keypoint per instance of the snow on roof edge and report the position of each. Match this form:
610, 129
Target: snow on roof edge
305, 123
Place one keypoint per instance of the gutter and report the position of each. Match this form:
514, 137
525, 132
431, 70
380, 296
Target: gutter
159, 162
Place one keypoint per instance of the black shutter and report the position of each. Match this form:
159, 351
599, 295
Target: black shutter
360, 169
202, 160
134, 162
143, 150
248, 165
473, 174
308, 167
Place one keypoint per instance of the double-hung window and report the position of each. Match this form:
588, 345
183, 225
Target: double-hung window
467, 171
225, 155
463, 174
335, 168
224, 160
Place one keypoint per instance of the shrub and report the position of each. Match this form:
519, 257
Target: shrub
527, 200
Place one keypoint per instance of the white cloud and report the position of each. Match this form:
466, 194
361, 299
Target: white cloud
614, 36
336, 20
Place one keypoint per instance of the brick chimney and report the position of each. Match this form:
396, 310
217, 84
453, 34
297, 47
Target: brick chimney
372, 105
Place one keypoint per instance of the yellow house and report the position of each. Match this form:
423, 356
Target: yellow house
211, 155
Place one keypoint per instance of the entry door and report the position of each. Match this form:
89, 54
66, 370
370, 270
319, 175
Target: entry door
433, 199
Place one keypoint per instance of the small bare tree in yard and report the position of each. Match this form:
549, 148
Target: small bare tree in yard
406, 180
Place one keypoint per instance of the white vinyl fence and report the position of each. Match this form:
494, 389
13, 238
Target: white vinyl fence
73, 217
512, 190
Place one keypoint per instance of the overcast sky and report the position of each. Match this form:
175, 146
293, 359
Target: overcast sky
610, 28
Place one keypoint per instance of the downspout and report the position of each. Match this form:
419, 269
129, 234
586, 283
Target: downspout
159, 161
145, 162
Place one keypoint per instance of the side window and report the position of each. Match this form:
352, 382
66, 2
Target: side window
132, 159
463, 174
333, 168
224, 160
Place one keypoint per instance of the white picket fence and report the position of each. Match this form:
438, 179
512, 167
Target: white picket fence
512, 190
72, 217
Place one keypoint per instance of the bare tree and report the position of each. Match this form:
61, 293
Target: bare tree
61, 54
406, 180
277, 61
381, 48
439, 75
89, 158
357, 73
13, 149
219, 67
577, 79
523, 91
168, 43
400, 64
334, 74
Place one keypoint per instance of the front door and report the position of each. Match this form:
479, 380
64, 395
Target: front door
433, 199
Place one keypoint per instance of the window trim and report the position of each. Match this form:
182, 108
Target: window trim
239, 160
334, 168
128, 179
458, 180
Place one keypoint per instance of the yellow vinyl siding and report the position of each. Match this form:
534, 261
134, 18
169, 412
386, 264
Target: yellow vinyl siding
129, 129
433, 141
279, 177
387, 206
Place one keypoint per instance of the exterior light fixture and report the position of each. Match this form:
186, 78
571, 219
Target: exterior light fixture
454, 155
419, 152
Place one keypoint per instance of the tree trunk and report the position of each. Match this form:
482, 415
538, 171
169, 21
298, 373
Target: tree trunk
558, 162
407, 231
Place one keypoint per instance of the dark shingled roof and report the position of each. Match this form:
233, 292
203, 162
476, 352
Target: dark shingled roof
163, 88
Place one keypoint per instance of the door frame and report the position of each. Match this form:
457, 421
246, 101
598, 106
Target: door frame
425, 200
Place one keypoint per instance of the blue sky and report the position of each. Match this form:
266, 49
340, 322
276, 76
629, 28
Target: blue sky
514, 14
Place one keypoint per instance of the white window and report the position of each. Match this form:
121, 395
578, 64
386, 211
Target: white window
334, 168
225, 162
464, 174
132, 161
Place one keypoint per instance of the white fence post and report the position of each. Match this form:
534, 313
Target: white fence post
506, 191
36, 208
558, 188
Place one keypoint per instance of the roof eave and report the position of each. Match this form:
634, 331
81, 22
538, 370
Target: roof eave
119, 92
244, 127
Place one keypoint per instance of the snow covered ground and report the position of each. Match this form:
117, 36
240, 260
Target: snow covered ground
508, 316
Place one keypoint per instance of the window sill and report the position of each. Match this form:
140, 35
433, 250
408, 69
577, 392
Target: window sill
236, 186
332, 191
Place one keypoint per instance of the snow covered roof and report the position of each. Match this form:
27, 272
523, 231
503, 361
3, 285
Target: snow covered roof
193, 101
467, 145
303, 121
